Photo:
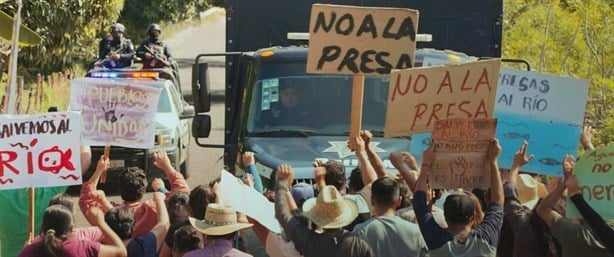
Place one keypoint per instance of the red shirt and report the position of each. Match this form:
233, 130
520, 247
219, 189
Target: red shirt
72, 247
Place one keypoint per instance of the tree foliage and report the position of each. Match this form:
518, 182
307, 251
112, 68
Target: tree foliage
138, 14
572, 38
70, 31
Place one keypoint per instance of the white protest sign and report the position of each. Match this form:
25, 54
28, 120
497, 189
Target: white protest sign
119, 113
247, 200
545, 110
40, 150
367, 40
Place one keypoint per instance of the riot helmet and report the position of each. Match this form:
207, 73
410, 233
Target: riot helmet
154, 26
118, 27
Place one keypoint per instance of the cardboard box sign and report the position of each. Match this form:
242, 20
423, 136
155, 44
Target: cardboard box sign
461, 149
418, 97
367, 40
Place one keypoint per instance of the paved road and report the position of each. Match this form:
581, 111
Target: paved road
204, 164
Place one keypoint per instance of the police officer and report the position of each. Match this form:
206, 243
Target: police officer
153, 52
115, 51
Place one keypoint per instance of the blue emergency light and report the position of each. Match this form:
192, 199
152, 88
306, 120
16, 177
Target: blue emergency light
129, 74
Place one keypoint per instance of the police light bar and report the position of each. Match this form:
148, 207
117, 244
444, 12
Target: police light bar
130, 74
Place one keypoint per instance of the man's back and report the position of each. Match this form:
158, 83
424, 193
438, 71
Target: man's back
392, 236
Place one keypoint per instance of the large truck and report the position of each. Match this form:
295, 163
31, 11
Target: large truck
261, 61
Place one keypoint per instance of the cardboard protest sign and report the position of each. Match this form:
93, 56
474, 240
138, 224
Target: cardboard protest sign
595, 174
368, 40
461, 148
40, 150
116, 112
418, 97
247, 200
545, 110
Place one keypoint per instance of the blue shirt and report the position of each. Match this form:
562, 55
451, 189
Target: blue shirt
482, 240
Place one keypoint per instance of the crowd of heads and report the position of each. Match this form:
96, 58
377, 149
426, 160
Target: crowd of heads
352, 210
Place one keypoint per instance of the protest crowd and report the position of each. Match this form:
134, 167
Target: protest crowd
371, 213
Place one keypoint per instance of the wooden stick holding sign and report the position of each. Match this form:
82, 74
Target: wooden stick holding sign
32, 198
358, 83
382, 39
107, 151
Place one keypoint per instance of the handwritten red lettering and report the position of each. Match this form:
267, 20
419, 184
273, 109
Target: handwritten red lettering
6, 162
445, 82
463, 88
483, 80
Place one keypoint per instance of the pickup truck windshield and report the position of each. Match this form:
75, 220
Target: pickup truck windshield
317, 104
164, 104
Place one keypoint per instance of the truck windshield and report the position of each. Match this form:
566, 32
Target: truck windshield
317, 104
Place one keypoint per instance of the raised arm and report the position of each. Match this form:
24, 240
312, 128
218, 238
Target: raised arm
368, 173
115, 246
177, 180
249, 161
586, 138
496, 186
87, 196
594, 220
295, 231
161, 228
374, 159
520, 159
398, 160
319, 174
545, 208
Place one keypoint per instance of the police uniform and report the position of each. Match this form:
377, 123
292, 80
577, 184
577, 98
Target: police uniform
122, 46
159, 49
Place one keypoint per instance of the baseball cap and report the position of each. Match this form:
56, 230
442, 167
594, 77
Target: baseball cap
458, 208
301, 192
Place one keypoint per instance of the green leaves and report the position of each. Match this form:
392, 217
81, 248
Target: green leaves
70, 31
576, 41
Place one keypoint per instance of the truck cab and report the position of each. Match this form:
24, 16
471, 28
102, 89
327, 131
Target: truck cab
283, 114
173, 115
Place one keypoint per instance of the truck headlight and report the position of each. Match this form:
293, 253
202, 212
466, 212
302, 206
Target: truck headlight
164, 138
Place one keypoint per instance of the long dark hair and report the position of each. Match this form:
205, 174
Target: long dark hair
187, 238
121, 220
57, 226
200, 197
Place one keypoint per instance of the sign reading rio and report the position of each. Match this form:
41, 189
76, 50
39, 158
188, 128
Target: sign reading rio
39, 150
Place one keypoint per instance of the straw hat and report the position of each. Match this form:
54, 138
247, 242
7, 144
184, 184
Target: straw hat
530, 190
330, 210
219, 220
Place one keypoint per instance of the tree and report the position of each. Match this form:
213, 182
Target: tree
70, 30
573, 38
138, 14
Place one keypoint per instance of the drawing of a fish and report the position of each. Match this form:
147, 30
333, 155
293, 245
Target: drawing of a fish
426, 141
549, 161
516, 124
562, 147
514, 135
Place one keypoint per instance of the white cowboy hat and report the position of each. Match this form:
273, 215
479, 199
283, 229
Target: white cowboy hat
219, 220
530, 190
330, 210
